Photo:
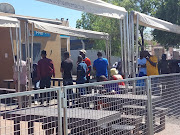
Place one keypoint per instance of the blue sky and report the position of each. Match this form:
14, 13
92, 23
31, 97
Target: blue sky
43, 10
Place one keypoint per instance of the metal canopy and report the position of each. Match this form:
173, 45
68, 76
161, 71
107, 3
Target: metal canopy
58, 29
97, 7
8, 22
152, 22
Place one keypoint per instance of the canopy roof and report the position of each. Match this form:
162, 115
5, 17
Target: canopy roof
58, 29
8, 22
31, 18
97, 7
155, 23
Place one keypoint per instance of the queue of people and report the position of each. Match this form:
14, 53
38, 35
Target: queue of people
44, 70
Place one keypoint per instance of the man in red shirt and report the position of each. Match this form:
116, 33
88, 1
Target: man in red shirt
88, 63
45, 70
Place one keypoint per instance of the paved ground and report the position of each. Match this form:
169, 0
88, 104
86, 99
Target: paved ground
7, 126
172, 126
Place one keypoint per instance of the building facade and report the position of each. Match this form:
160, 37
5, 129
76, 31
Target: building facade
52, 43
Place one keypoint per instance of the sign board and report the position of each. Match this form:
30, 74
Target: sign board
41, 34
64, 36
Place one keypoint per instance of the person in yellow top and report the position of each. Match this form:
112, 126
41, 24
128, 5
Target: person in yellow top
151, 64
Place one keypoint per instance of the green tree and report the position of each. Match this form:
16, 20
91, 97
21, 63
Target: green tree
111, 26
169, 10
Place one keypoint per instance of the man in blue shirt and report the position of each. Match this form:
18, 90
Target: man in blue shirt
101, 66
81, 74
81, 71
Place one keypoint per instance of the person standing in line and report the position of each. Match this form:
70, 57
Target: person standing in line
142, 70
142, 65
163, 65
45, 70
152, 69
81, 73
66, 69
22, 101
151, 64
100, 65
88, 63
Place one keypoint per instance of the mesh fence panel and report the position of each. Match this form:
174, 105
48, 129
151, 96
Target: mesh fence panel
107, 108
33, 112
166, 112
125, 107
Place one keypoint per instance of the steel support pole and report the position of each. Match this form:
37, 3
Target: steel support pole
25, 38
18, 67
132, 28
133, 66
20, 47
149, 107
12, 44
32, 46
125, 48
31, 62
68, 45
65, 121
137, 37
59, 112
130, 46
122, 52
106, 49
110, 51
28, 63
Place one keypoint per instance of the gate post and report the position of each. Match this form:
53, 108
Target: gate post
149, 107
59, 97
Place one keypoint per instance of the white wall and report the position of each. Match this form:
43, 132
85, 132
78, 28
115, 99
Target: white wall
92, 55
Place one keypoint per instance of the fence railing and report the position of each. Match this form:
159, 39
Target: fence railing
138, 106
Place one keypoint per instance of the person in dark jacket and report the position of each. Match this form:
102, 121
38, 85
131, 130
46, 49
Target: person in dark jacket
45, 70
163, 65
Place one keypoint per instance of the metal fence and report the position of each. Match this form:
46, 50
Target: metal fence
31, 112
166, 112
136, 106
107, 108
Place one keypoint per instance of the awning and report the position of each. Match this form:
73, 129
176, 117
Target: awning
21, 17
97, 7
63, 30
8, 22
155, 23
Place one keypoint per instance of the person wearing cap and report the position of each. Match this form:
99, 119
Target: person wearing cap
163, 65
100, 65
45, 70
88, 63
